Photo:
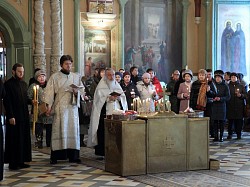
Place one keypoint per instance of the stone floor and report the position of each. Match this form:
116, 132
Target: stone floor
234, 156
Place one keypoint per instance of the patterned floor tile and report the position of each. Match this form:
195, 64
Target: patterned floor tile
234, 171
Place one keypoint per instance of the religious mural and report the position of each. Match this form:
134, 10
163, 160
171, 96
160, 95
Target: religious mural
96, 50
232, 36
148, 40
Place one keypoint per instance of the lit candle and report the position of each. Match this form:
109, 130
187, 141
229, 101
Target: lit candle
37, 88
158, 105
132, 106
34, 90
186, 66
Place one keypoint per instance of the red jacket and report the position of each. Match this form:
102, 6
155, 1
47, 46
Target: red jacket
157, 85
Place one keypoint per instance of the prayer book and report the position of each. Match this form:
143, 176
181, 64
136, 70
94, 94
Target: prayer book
115, 94
42, 108
75, 86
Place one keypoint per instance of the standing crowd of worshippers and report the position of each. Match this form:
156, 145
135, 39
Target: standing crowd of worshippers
223, 97
68, 98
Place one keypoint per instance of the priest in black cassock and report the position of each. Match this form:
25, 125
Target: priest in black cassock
2, 94
17, 138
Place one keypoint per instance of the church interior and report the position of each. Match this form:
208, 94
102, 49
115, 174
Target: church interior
165, 35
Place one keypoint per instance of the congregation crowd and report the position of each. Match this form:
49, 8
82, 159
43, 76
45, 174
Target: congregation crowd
76, 106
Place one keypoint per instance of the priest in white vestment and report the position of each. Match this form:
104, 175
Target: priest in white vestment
103, 105
62, 96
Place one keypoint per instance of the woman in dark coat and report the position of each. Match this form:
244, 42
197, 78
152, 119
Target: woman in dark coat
129, 89
219, 91
236, 106
198, 98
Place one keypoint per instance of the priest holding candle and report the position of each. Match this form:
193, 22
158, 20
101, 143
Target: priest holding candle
17, 138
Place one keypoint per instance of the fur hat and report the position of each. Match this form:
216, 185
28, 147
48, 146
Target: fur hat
187, 71
234, 74
126, 73
219, 73
146, 75
39, 72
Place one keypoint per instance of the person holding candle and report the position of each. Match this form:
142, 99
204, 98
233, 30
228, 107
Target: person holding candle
147, 92
36, 93
155, 81
130, 90
220, 94
17, 137
198, 95
235, 106
184, 90
62, 97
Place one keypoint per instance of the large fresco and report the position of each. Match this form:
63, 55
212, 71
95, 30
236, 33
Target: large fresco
96, 50
148, 38
232, 36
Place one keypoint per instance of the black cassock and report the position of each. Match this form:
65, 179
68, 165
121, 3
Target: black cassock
17, 138
2, 94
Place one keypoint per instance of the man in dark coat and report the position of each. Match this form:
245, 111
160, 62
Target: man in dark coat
17, 139
236, 106
2, 94
170, 90
208, 111
134, 74
219, 91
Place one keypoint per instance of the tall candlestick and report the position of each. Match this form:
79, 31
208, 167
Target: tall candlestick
34, 91
37, 89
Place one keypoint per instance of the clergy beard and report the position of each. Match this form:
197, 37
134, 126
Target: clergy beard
18, 78
146, 84
111, 83
65, 71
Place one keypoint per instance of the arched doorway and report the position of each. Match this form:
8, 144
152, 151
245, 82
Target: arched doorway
17, 36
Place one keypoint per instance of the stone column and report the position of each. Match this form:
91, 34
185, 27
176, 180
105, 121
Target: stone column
56, 37
208, 63
77, 23
121, 52
185, 4
39, 55
169, 22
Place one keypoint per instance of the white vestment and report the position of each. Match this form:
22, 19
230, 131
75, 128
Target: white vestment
65, 127
102, 93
